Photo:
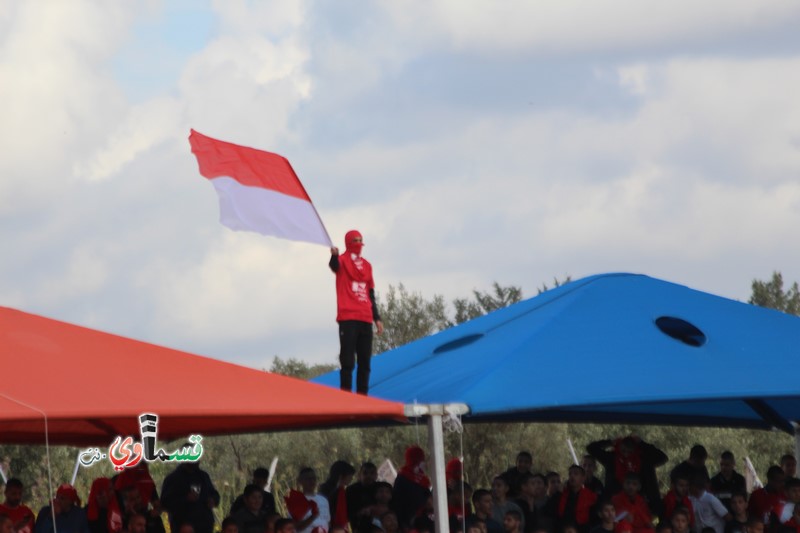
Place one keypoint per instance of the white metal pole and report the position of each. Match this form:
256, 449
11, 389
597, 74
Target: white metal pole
436, 446
435, 413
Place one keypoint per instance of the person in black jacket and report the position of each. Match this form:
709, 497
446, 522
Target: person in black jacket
626, 455
728, 481
361, 494
189, 496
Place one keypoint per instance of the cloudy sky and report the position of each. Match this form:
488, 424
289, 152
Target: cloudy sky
470, 142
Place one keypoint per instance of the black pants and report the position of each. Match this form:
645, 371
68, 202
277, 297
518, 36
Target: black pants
355, 342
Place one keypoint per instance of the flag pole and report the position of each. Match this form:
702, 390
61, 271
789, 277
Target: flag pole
328, 235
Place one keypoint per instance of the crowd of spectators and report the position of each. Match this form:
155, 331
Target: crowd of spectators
519, 500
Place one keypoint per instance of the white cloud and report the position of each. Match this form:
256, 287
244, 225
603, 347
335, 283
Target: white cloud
245, 285
145, 126
546, 184
634, 78
277, 19
574, 25
85, 273
245, 84
244, 80
57, 104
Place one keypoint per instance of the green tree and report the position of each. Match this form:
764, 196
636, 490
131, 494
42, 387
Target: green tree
299, 369
485, 302
409, 316
29, 463
556, 284
771, 294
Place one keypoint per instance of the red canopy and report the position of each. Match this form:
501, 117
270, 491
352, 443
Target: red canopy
92, 386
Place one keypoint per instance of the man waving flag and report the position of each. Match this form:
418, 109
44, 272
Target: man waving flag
258, 191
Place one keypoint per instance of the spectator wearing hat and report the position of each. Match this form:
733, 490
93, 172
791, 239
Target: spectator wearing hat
411, 487
356, 311
70, 516
102, 511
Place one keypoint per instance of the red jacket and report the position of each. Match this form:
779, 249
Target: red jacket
671, 502
583, 508
637, 509
353, 284
762, 502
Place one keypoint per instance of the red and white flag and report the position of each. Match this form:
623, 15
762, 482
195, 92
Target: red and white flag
258, 191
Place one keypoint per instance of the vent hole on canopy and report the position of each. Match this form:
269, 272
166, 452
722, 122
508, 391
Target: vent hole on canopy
458, 343
681, 330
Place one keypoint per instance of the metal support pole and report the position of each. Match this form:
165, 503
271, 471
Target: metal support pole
436, 446
435, 412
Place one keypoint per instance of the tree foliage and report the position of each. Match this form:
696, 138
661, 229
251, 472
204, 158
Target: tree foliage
409, 316
556, 283
485, 302
298, 369
771, 294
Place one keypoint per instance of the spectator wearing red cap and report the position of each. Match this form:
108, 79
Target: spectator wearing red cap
70, 517
454, 472
412, 486
356, 311
139, 478
102, 511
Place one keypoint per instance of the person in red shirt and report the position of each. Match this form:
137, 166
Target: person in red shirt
763, 501
21, 516
678, 496
576, 501
356, 311
630, 503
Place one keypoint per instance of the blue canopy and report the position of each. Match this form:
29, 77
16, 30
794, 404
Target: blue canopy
608, 348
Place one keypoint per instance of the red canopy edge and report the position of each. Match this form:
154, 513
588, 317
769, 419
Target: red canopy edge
93, 385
